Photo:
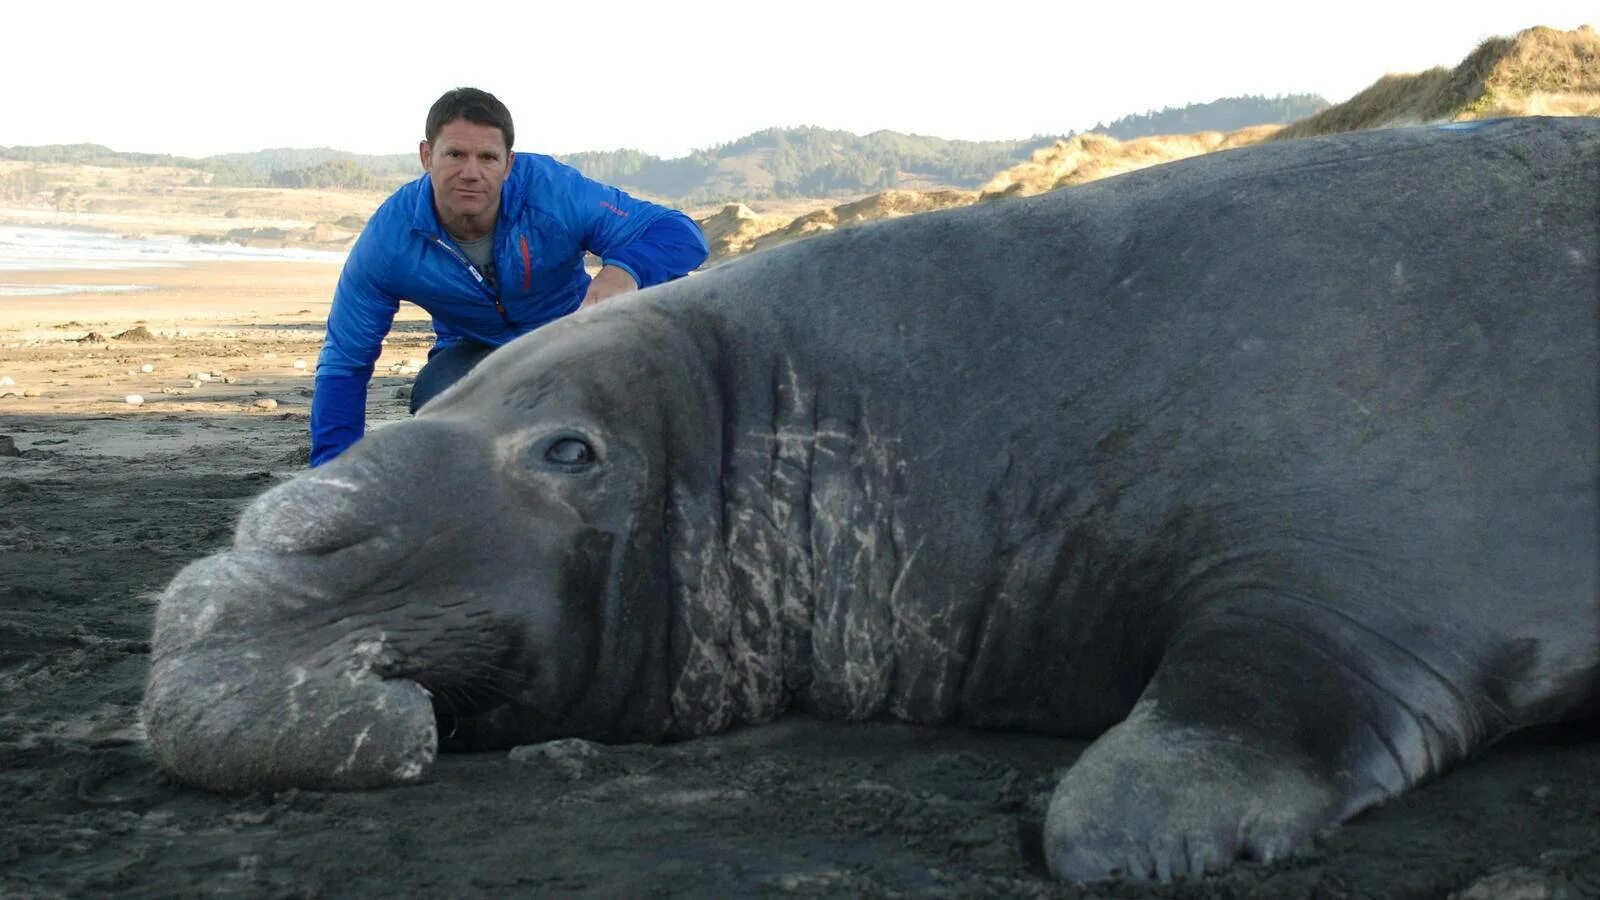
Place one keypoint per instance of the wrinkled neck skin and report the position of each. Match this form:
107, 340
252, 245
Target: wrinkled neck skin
817, 561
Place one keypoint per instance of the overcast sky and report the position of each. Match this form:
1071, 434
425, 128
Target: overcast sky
194, 78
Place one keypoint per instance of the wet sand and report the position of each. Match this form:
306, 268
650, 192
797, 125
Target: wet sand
104, 502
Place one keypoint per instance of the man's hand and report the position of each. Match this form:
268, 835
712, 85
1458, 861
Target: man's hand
608, 282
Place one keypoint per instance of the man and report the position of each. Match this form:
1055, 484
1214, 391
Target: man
491, 244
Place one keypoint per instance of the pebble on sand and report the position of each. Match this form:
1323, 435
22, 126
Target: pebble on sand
265, 403
133, 400
6, 381
557, 749
147, 368
33, 392
299, 364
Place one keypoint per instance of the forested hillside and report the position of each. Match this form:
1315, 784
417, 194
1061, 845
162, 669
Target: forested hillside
773, 163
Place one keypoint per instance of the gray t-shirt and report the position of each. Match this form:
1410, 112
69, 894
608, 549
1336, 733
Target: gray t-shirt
481, 253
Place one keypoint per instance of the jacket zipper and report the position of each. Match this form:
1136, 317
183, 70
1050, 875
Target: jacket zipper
477, 276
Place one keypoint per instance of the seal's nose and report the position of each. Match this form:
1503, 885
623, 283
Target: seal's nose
386, 479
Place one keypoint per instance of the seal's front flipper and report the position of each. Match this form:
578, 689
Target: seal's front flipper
1152, 799
1256, 733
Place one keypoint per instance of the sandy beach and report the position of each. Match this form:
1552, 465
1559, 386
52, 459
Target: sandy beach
101, 502
207, 338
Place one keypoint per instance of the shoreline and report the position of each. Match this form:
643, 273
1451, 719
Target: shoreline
219, 337
189, 294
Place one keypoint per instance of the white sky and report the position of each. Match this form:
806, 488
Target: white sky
198, 78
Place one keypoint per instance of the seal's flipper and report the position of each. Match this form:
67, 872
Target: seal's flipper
1253, 736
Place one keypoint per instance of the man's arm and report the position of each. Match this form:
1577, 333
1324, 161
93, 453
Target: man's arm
640, 243
610, 281
362, 314
671, 246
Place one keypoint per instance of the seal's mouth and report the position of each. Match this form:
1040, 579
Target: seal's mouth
457, 709
471, 667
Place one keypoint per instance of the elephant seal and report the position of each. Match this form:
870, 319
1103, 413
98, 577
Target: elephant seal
1277, 468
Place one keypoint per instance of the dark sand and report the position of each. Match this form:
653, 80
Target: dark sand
106, 502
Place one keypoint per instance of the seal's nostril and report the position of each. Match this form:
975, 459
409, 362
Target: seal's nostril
310, 516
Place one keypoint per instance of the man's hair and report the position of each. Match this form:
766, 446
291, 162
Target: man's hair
477, 107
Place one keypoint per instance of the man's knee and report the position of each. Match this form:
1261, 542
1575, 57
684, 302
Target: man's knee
445, 368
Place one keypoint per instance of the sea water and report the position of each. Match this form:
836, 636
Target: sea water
31, 249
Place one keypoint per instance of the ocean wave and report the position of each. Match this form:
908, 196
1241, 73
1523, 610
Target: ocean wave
52, 249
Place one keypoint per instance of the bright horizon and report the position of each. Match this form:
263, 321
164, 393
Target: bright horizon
197, 79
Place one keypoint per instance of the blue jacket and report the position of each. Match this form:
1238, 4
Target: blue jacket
549, 215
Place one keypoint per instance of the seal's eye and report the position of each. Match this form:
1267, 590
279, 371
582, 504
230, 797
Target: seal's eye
569, 453
564, 451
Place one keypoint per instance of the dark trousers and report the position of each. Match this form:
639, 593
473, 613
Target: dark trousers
444, 368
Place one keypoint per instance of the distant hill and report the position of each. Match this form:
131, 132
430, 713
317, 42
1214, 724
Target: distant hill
320, 168
818, 162
1229, 114
774, 163
805, 162
1540, 71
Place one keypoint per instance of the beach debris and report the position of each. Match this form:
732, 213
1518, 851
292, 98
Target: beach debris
133, 400
6, 381
138, 334
228, 379
1520, 882
193, 383
265, 403
299, 364
32, 392
147, 368
200, 376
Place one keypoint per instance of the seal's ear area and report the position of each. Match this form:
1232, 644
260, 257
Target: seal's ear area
618, 582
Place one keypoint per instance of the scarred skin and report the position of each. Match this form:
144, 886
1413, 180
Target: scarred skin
1276, 469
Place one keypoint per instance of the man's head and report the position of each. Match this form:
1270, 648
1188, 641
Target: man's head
467, 151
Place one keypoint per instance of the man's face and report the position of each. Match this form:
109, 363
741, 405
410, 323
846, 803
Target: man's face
468, 163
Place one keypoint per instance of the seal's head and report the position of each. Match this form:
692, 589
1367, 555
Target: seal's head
492, 572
